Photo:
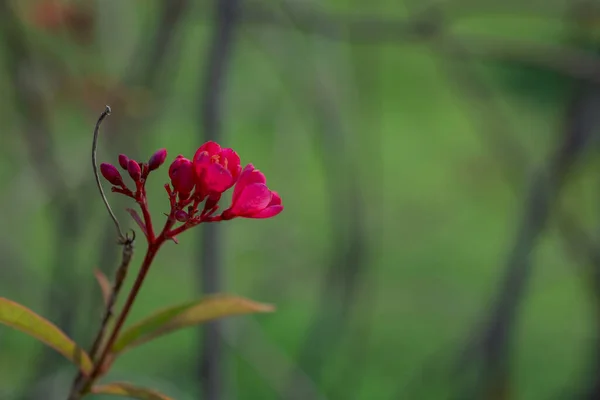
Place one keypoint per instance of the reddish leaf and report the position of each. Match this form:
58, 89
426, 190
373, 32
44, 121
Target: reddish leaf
25, 320
189, 314
126, 389
104, 284
136, 217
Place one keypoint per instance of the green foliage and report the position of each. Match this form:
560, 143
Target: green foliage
185, 315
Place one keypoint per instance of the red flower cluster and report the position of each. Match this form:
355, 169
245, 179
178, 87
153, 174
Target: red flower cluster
211, 172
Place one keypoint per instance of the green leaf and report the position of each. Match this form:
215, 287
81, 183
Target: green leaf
25, 320
189, 314
126, 389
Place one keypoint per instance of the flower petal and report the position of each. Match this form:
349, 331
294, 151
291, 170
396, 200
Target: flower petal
217, 179
201, 162
253, 199
248, 176
275, 199
211, 147
233, 162
268, 212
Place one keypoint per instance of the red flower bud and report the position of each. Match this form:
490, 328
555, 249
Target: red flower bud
111, 174
157, 159
181, 173
181, 216
134, 170
123, 161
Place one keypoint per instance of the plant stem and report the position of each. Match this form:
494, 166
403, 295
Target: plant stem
148, 258
143, 202
153, 248
120, 278
181, 229
121, 274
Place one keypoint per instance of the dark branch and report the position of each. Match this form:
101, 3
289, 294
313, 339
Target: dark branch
219, 53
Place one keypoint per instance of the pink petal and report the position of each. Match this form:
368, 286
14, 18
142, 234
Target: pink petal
275, 199
218, 179
268, 212
201, 162
254, 198
211, 147
233, 162
248, 176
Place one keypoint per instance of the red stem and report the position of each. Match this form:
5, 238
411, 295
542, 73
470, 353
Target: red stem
149, 257
179, 230
154, 244
146, 213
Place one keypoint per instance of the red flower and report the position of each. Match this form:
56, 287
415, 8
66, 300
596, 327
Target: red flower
181, 173
216, 169
252, 198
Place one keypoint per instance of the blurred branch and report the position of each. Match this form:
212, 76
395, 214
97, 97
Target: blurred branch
376, 29
341, 284
218, 60
145, 67
30, 102
586, 252
42, 150
348, 380
492, 342
267, 359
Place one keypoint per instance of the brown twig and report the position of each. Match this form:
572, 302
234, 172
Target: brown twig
104, 114
121, 273
120, 277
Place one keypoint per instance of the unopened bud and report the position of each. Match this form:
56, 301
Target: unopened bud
181, 173
134, 170
181, 216
123, 161
157, 159
111, 174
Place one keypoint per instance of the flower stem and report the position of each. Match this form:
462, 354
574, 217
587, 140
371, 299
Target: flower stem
143, 202
121, 274
153, 248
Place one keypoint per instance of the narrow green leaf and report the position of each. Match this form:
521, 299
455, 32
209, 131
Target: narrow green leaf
126, 389
189, 314
25, 320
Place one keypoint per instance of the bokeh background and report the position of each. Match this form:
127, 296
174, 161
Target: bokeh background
438, 164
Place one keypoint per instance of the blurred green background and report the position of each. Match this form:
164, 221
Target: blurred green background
422, 151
